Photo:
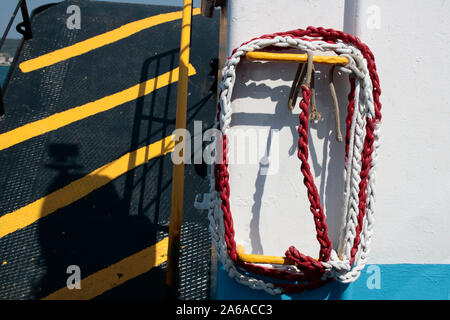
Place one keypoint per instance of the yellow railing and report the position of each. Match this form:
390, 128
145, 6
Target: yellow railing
294, 57
176, 211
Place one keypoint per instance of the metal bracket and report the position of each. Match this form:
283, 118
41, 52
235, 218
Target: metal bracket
208, 6
24, 27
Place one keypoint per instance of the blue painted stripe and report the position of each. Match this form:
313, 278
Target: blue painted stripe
377, 282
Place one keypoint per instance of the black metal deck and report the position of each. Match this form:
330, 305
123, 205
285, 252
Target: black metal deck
127, 214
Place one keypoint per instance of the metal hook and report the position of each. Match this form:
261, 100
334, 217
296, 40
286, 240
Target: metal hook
300, 75
336, 106
314, 115
309, 68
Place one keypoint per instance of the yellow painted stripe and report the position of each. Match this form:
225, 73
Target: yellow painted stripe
58, 120
108, 278
77, 189
96, 42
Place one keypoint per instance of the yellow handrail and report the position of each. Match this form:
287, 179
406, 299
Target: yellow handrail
294, 57
176, 211
257, 258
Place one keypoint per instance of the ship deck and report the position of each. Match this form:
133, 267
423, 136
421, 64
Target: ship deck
86, 172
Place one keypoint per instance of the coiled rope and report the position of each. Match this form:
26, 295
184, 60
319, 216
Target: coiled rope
361, 145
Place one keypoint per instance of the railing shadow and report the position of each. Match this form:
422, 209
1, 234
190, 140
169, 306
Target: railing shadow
96, 227
75, 235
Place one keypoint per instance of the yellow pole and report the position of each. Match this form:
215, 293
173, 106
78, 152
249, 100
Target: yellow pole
294, 57
176, 211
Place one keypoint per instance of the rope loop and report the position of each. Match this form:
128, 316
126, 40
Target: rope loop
361, 146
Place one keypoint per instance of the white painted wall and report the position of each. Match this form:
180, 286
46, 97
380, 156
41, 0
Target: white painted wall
413, 177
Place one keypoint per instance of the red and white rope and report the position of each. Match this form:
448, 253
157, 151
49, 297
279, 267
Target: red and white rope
361, 153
